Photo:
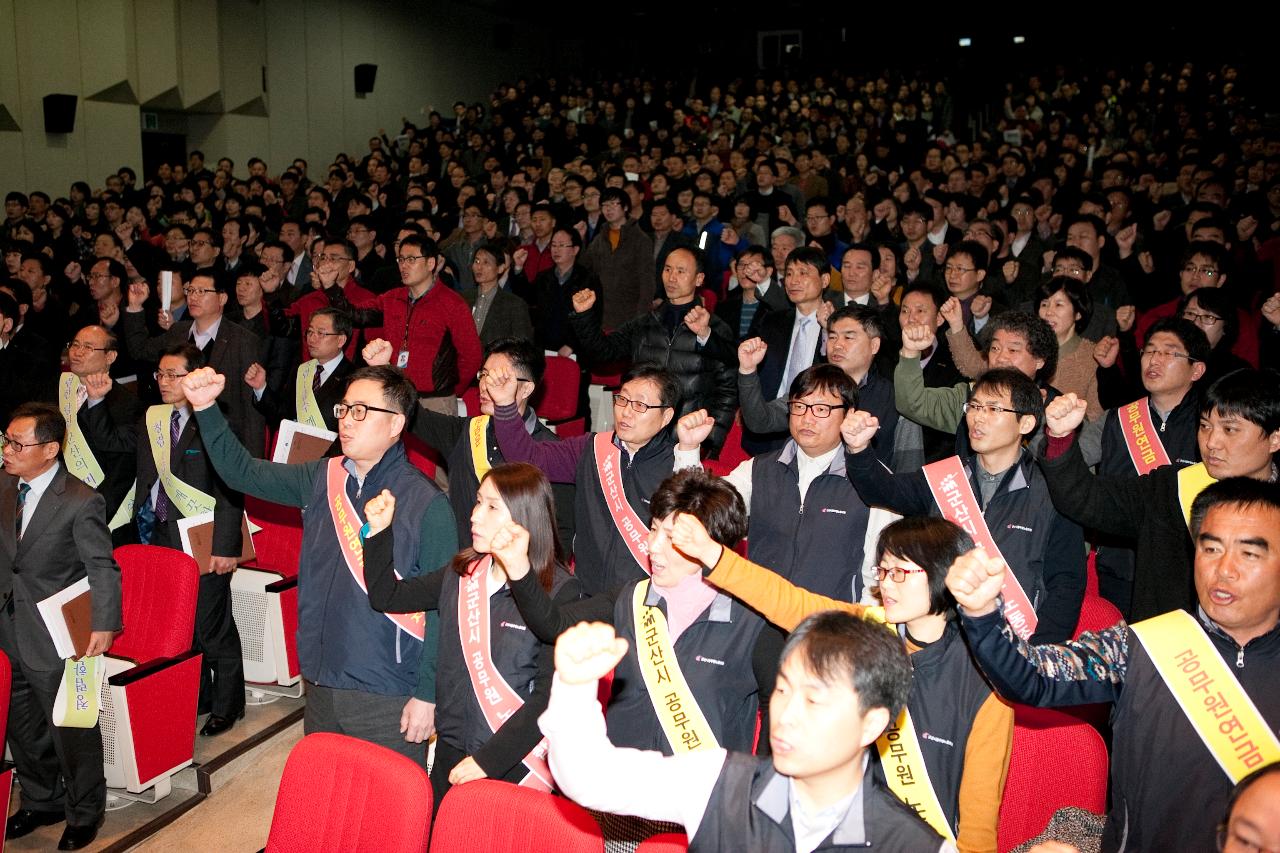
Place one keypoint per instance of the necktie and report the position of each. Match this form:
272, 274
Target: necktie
801, 355
23, 488
162, 498
315, 378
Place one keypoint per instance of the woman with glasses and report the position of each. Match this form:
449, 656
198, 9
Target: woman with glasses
1214, 312
493, 674
969, 729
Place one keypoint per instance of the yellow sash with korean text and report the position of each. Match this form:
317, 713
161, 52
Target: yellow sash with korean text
78, 455
477, 433
1192, 480
347, 525
308, 408
682, 721
1218, 708
186, 499
903, 762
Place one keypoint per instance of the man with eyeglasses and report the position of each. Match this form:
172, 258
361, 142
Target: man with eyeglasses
1239, 435
1204, 265
334, 268
807, 522
102, 418
316, 385
621, 256
369, 675
206, 246
176, 480
616, 472
106, 291
552, 293
224, 346
996, 492
53, 533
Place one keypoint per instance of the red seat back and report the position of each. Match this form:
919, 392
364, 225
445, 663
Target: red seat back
279, 544
731, 453
158, 587
557, 396
1057, 761
420, 455
340, 793
6, 682
1096, 613
668, 842
471, 399
491, 815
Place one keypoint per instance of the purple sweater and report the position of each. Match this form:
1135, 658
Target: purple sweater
557, 459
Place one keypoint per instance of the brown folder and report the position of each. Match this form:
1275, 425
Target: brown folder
201, 538
78, 613
308, 448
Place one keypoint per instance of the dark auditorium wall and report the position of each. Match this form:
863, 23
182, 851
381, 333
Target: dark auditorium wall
199, 65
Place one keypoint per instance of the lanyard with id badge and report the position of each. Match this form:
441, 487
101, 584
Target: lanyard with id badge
402, 357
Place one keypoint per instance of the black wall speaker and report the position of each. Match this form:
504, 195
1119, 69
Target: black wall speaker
59, 113
364, 78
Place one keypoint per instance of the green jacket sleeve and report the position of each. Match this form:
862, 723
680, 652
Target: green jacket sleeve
937, 408
283, 484
437, 543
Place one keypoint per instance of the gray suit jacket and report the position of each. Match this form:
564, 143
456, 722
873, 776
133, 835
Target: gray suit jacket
66, 539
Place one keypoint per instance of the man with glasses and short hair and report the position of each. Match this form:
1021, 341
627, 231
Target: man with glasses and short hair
996, 486
102, 419
55, 534
317, 384
369, 675
621, 256
175, 481
222, 345
334, 268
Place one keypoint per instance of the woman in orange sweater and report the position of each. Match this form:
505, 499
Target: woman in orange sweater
966, 730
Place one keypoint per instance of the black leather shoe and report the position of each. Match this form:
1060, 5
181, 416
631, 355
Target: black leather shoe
216, 724
76, 837
25, 821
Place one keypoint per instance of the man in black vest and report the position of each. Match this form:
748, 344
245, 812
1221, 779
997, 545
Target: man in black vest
807, 522
840, 681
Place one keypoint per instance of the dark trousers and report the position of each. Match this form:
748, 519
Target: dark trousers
446, 758
60, 768
368, 716
216, 636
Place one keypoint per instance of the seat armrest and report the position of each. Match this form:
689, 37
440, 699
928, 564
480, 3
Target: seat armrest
151, 667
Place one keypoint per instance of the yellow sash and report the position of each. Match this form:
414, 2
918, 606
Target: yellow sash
1223, 714
478, 432
78, 455
903, 762
1192, 480
682, 721
76, 705
187, 500
305, 398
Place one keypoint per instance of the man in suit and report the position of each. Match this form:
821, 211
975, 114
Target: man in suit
102, 418
498, 313
176, 480
224, 346
53, 532
795, 338
320, 381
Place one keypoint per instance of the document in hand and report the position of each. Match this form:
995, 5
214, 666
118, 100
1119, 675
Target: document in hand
197, 539
68, 616
298, 442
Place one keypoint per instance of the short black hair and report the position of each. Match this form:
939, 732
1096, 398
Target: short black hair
1024, 393
931, 543
976, 251
1240, 492
810, 256
188, 352
837, 645
524, 355
929, 289
1191, 336
1042, 343
668, 385
342, 322
1220, 302
825, 377
50, 425
1074, 253
428, 247
870, 248
396, 388
710, 499
871, 320
1246, 393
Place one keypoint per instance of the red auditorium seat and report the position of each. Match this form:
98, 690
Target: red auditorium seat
556, 400
421, 456
668, 842
340, 793
491, 815
149, 697
6, 681
731, 453
1057, 761
264, 600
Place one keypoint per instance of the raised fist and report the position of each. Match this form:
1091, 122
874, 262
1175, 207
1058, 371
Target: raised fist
976, 580
379, 511
1064, 414
256, 377
1125, 315
750, 353
693, 429
584, 300
202, 387
377, 352
587, 652
858, 429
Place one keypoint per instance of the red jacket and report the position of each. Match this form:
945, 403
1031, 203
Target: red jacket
314, 300
440, 335
1246, 345
538, 262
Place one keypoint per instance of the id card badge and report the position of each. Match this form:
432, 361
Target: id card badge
402, 359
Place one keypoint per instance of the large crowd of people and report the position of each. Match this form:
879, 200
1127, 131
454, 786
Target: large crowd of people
955, 382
